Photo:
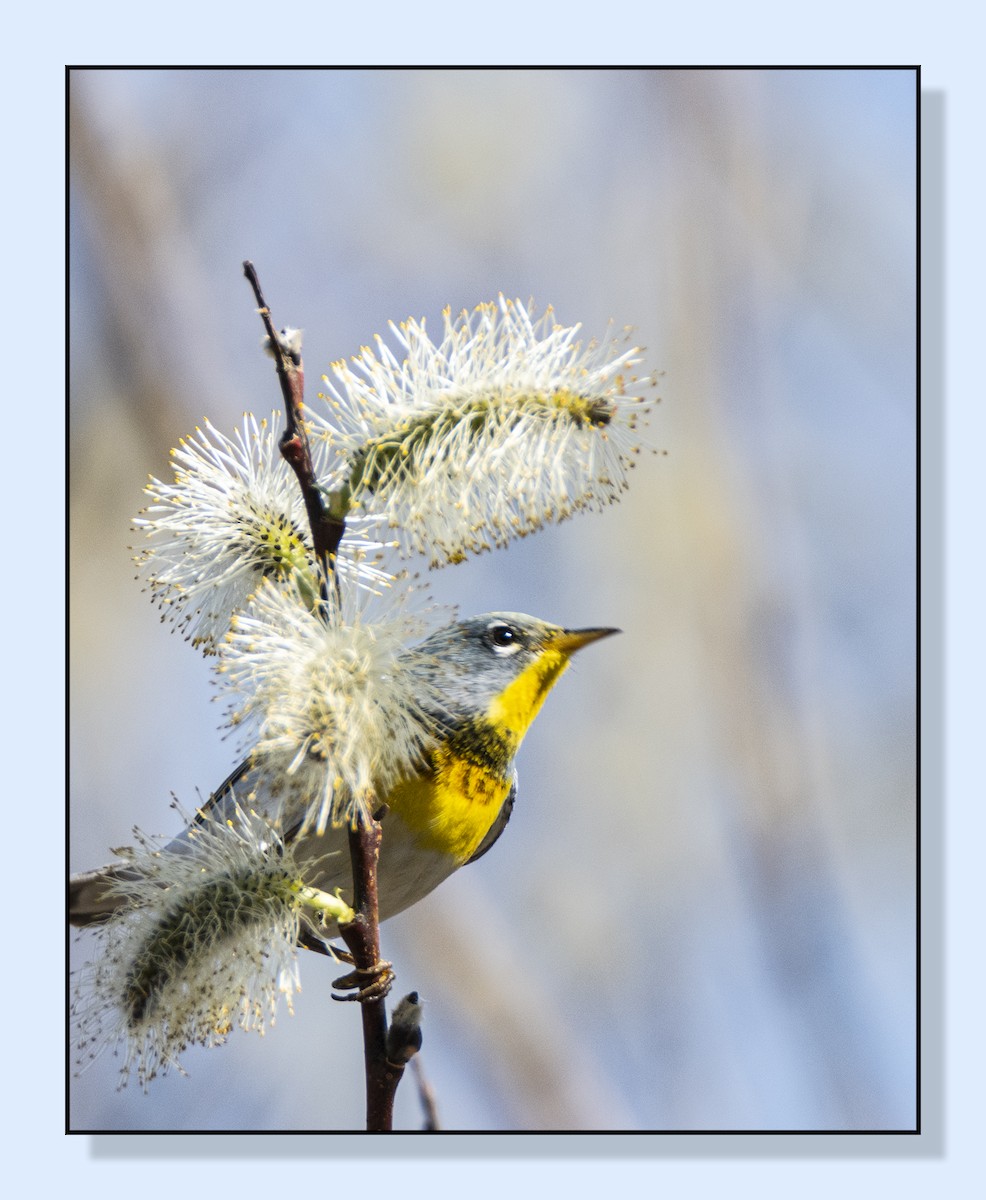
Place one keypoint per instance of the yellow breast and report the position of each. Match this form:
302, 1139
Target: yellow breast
451, 808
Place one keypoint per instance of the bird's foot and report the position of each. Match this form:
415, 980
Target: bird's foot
372, 983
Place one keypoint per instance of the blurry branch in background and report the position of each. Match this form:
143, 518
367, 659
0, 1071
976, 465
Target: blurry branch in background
426, 1095
840, 258
156, 295
777, 739
542, 1064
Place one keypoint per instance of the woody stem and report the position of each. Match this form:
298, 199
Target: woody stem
362, 936
327, 530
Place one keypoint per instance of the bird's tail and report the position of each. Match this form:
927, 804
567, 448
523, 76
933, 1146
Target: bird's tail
93, 896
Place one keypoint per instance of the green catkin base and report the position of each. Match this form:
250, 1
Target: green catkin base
381, 459
213, 913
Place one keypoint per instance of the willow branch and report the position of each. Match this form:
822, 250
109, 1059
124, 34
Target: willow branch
362, 936
327, 530
371, 976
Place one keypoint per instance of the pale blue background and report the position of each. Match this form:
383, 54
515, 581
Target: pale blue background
36, 1099
702, 916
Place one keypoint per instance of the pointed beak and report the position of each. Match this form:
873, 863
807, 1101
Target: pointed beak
570, 640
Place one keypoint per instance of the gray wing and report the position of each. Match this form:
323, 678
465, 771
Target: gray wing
95, 895
499, 825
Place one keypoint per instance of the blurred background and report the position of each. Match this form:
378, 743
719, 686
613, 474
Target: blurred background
702, 913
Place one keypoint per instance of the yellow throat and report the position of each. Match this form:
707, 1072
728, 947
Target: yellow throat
451, 808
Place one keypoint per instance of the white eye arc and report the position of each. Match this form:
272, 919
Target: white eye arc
504, 638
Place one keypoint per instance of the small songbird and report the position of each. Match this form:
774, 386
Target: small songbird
486, 679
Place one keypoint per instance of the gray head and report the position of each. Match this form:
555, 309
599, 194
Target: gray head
473, 663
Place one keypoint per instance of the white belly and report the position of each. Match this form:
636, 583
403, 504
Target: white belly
407, 871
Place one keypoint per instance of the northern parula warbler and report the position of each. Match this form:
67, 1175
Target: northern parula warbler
491, 674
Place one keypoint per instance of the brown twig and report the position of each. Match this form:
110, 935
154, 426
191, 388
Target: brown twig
326, 530
362, 936
370, 976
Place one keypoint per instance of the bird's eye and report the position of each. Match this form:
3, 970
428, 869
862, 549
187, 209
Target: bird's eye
504, 638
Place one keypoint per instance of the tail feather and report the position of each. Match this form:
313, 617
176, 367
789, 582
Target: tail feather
93, 896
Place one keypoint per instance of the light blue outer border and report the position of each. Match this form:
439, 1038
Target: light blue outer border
946, 1158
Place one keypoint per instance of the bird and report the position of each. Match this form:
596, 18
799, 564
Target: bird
486, 678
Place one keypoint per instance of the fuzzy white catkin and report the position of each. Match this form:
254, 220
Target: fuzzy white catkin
232, 516
506, 424
207, 940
